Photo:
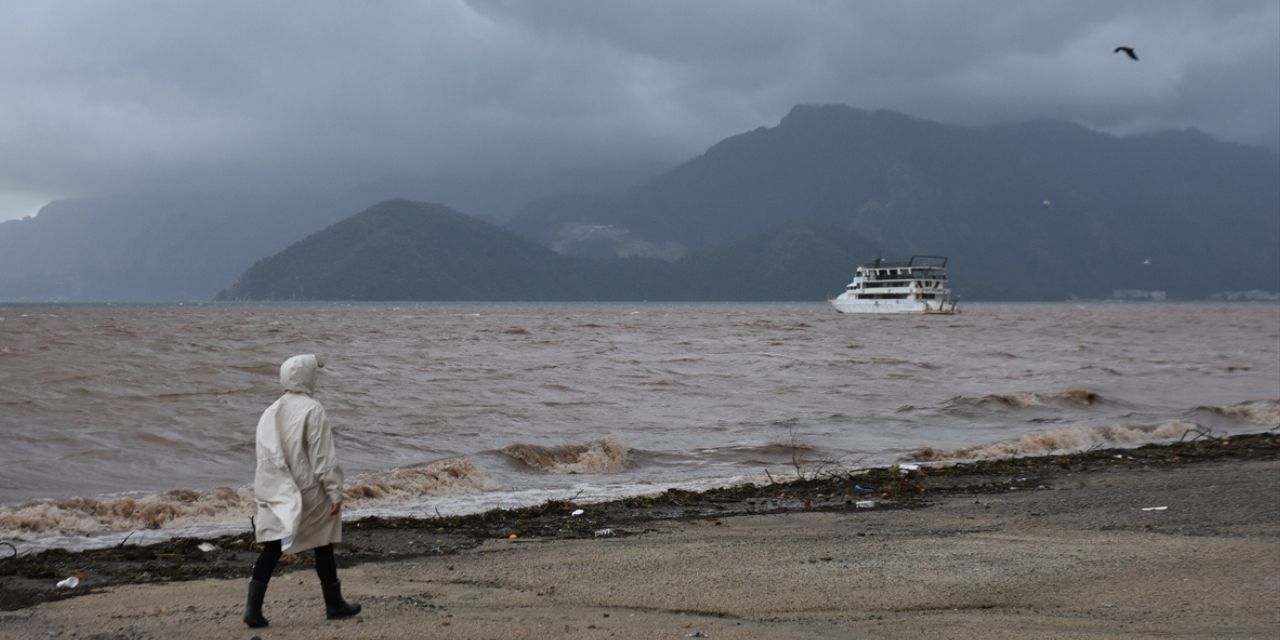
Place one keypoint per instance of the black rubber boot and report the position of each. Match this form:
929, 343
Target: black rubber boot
334, 605
253, 607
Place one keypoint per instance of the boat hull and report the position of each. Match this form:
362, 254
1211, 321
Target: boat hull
846, 305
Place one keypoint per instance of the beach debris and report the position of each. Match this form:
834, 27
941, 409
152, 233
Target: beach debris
206, 547
69, 583
861, 490
697, 634
604, 533
513, 536
1109, 605
909, 467
1154, 508
11, 548
577, 512
864, 504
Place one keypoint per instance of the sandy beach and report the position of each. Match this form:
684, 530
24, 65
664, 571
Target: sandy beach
1171, 543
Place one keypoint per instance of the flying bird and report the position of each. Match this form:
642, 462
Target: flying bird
1128, 51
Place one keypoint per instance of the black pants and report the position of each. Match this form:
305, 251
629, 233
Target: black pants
326, 566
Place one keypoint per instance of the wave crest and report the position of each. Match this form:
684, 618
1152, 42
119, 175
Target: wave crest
602, 456
1020, 400
1060, 440
442, 477
1260, 412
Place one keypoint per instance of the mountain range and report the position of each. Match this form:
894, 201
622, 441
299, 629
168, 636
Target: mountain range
404, 250
1032, 211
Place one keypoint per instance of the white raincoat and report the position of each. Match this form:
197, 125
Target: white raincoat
298, 478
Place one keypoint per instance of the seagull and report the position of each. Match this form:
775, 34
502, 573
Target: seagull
1128, 51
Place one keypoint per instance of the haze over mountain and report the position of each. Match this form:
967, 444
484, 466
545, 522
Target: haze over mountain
152, 247
403, 250
187, 246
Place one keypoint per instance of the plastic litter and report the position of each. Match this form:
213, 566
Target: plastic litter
864, 504
909, 466
604, 533
69, 583
577, 512
697, 634
1154, 508
206, 547
861, 490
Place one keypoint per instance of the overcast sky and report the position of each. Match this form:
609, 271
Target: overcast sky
134, 96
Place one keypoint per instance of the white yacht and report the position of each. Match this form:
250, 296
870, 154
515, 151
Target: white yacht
918, 285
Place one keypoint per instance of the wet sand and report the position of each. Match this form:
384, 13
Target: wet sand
1048, 548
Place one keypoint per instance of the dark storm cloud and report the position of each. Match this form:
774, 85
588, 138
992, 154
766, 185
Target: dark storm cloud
136, 96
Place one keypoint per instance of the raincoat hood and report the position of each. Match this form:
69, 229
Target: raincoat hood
298, 373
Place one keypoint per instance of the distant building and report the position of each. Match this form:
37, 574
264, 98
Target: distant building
1143, 295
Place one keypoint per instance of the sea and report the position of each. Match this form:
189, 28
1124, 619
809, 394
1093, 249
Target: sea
136, 422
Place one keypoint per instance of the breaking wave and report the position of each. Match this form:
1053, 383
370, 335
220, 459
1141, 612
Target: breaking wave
443, 477
176, 508
1260, 412
1059, 441
602, 456
1021, 400
182, 508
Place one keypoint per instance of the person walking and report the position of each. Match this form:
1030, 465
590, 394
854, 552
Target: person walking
298, 488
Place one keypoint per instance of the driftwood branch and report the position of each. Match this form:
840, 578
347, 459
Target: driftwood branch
1200, 434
